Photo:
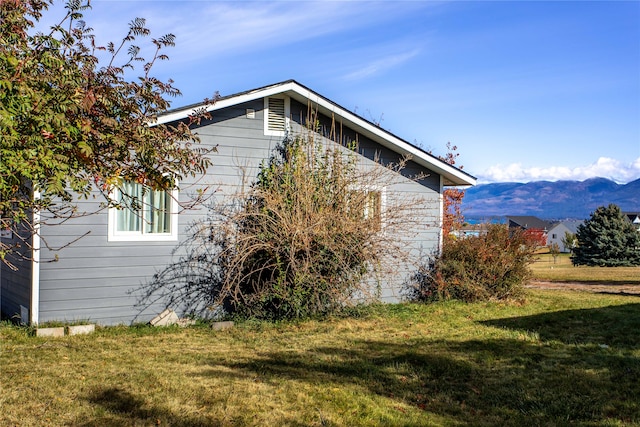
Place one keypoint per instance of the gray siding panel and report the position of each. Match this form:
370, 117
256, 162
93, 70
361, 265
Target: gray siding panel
137, 267
87, 252
15, 285
103, 281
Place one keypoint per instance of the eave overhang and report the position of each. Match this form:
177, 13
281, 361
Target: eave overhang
452, 176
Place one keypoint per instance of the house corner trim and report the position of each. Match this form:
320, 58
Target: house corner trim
34, 314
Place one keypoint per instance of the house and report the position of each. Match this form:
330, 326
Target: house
113, 253
634, 218
558, 230
532, 225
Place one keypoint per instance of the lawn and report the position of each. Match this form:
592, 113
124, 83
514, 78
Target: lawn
561, 270
558, 358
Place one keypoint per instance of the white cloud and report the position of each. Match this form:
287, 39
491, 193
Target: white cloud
605, 167
381, 64
211, 29
210, 33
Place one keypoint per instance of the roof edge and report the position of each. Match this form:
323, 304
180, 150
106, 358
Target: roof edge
453, 175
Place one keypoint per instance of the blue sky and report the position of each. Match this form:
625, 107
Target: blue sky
525, 90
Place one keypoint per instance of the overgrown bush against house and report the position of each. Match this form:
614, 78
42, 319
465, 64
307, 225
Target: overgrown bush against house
476, 268
305, 235
300, 242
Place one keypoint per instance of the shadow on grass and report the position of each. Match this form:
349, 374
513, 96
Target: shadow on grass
599, 282
614, 326
119, 407
558, 378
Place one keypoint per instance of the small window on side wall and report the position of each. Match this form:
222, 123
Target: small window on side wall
370, 205
143, 214
373, 208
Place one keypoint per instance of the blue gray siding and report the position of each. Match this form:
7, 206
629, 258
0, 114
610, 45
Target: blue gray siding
101, 281
15, 284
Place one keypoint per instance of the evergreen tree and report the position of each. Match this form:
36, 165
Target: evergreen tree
607, 239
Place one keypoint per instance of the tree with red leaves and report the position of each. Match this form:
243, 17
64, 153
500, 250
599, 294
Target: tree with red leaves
452, 218
71, 125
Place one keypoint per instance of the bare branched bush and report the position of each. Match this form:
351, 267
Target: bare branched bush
305, 240
306, 235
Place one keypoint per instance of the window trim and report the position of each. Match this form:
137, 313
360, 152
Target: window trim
287, 113
114, 235
383, 202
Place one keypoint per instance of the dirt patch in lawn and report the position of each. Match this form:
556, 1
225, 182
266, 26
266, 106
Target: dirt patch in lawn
599, 287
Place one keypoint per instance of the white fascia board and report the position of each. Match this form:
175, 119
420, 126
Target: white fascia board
226, 102
390, 141
451, 174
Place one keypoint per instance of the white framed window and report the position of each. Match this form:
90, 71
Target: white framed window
276, 115
144, 214
372, 211
371, 203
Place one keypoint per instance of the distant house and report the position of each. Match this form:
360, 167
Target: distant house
634, 218
557, 232
533, 226
116, 252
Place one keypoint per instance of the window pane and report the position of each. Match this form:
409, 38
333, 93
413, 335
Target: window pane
367, 204
373, 208
128, 218
157, 212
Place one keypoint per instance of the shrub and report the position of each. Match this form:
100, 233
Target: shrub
306, 239
569, 241
486, 267
308, 233
303, 242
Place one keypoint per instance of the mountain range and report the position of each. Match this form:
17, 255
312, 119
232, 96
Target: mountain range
549, 200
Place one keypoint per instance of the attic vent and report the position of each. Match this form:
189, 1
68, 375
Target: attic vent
276, 121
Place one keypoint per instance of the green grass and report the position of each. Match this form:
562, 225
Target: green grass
561, 270
560, 358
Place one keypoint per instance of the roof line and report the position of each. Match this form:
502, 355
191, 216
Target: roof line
456, 175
